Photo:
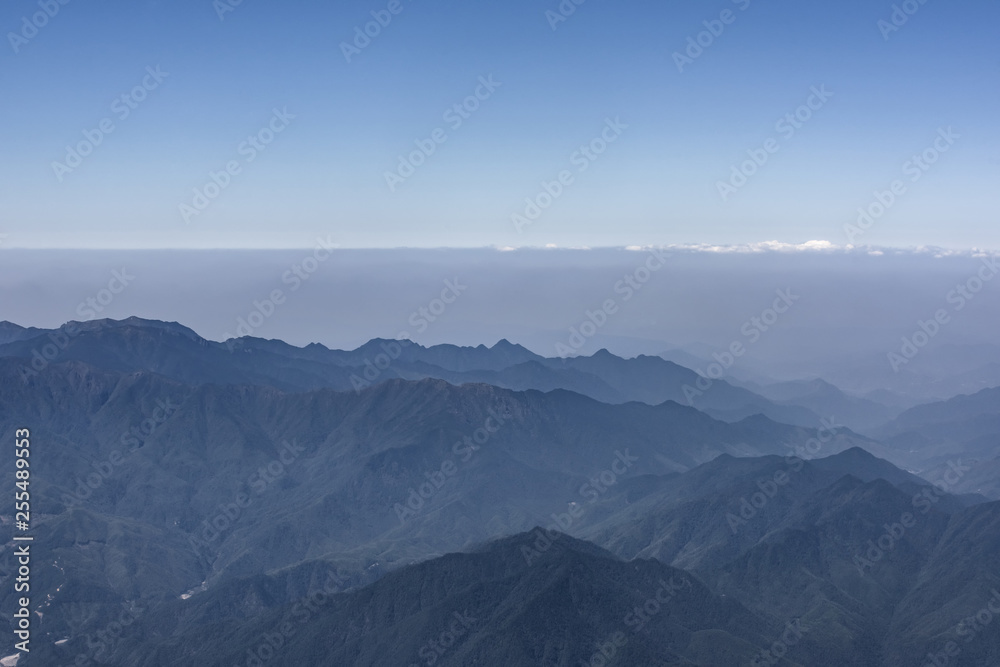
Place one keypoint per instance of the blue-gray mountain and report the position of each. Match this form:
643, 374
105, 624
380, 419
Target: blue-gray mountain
191, 499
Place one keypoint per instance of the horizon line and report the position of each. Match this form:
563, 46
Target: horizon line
761, 247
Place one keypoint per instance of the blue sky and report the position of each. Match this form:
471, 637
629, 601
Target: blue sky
324, 174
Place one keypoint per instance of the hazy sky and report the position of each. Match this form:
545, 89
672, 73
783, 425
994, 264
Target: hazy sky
846, 310
199, 81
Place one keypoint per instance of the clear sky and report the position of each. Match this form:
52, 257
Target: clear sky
609, 69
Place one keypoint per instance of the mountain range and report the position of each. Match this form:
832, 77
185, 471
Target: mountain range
513, 507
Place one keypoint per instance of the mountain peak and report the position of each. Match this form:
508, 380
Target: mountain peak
10, 332
504, 345
541, 539
856, 454
757, 419
107, 324
867, 467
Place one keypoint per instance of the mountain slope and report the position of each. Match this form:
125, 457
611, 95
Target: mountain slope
251, 479
492, 607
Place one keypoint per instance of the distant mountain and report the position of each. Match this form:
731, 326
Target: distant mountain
684, 358
822, 397
654, 380
965, 427
892, 399
177, 352
524, 376
963, 408
454, 358
700, 357
980, 475
937, 373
